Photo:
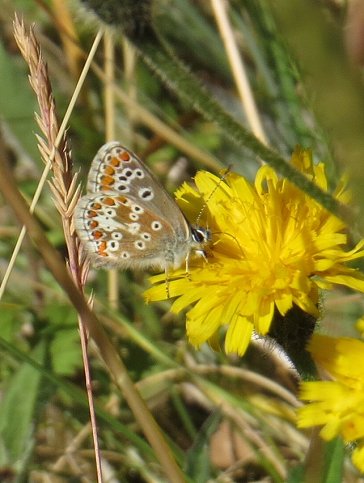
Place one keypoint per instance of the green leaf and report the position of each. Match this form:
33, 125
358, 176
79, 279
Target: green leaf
334, 461
17, 412
296, 474
64, 348
17, 102
329, 460
198, 466
65, 351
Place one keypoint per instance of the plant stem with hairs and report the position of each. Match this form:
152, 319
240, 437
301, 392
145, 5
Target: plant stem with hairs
135, 20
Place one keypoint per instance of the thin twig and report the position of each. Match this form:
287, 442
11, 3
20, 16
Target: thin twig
238, 69
112, 275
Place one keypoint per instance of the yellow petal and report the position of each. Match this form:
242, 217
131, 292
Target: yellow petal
265, 316
358, 457
201, 329
238, 335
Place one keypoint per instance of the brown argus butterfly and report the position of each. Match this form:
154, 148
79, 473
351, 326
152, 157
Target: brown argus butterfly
128, 220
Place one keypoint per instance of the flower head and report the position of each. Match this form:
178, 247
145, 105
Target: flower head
337, 405
273, 246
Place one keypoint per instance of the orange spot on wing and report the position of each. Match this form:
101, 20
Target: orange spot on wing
115, 162
109, 202
125, 156
96, 206
97, 234
93, 224
107, 181
102, 248
91, 214
122, 199
109, 170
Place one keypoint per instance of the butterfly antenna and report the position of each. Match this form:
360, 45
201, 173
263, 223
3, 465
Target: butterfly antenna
222, 178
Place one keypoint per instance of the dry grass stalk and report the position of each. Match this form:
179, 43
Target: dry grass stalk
65, 189
64, 185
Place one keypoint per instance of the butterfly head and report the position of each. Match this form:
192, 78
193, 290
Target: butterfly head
201, 237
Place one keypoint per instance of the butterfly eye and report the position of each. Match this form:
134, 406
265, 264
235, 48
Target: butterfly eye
200, 235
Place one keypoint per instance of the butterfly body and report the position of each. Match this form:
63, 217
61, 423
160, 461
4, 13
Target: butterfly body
128, 220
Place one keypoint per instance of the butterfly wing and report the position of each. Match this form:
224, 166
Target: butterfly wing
127, 219
116, 168
118, 231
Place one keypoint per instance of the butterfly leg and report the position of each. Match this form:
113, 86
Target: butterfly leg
187, 269
202, 254
167, 281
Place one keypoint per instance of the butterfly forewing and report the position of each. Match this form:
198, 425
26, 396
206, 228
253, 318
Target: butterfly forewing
116, 168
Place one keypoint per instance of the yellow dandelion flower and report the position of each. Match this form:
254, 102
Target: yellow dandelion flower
337, 405
273, 246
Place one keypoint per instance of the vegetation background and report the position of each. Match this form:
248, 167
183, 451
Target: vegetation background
225, 418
